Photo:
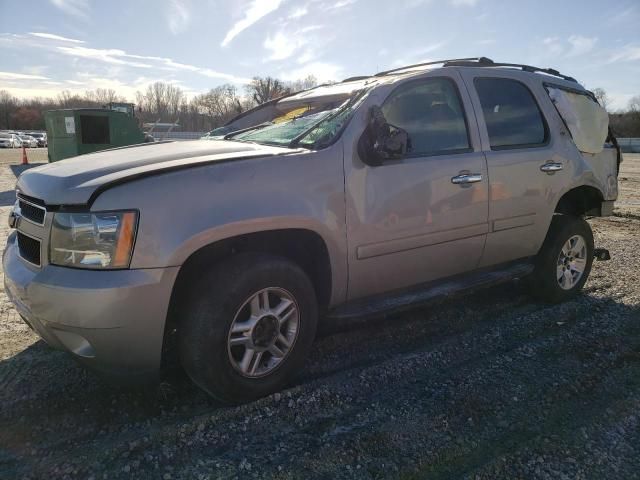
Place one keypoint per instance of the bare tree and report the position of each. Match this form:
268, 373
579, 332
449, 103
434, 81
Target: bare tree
162, 100
262, 90
103, 96
8, 104
159, 101
220, 103
602, 97
306, 83
634, 105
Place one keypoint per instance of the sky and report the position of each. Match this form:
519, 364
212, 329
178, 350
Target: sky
47, 46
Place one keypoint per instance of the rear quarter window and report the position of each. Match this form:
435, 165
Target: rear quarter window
512, 116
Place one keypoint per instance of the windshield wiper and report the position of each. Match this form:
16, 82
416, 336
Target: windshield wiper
230, 135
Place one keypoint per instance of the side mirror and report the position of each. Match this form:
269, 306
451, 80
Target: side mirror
382, 141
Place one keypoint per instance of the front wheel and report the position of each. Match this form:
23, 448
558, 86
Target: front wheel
564, 261
248, 327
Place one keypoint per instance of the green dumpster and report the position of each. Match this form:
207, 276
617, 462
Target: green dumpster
72, 132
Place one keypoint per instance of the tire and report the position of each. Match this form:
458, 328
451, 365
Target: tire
567, 248
214, 356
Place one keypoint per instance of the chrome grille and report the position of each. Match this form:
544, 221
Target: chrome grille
29, 248
31, 211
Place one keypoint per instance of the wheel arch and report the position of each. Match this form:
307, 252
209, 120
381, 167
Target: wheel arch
305, 247
584, 200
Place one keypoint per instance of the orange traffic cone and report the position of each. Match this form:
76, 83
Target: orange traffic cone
25, 160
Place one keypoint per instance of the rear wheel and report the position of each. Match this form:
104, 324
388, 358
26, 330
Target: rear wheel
248, 326
564, 261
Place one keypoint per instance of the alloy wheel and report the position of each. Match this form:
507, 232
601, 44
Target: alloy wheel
263, 332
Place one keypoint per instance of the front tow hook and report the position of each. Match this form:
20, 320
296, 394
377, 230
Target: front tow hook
601, 254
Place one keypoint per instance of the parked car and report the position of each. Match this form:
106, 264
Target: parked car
40, 137
10, 140
28, 141
392, 190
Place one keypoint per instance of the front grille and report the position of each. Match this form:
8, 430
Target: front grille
29, 248
31, 211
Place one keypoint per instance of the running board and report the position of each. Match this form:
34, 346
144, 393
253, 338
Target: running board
426, 293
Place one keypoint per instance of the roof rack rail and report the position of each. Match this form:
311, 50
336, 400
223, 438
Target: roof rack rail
479, 62
486, 62
435, 62
355, 79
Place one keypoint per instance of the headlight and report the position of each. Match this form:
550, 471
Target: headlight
102, 240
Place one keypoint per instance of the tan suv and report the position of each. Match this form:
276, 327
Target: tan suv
356, 198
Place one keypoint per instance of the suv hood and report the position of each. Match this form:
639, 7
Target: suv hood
76, 181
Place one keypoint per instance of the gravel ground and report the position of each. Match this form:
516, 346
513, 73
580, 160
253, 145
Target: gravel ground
490, 386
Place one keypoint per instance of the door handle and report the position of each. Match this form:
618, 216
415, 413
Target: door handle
466, 178
551, 167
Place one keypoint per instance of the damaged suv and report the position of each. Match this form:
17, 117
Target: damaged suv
356, 198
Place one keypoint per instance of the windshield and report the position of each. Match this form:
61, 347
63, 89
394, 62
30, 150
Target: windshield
313, 129
283, 133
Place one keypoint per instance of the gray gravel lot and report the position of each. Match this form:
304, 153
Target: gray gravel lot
492, 385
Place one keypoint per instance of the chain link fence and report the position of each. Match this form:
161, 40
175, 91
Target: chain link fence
629, 144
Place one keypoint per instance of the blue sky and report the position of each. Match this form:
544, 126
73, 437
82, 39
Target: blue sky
48, 46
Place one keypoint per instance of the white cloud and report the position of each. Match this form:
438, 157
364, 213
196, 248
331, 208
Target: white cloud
20, 76
581, 45
88, 81
120, 57
51, 36
256, 10
553, 45
628, 53
284, 43
618, 101
110, 55
299, 12
342, 4
178, 16
321, 70
455, 3
418, 55
281, 46
626, 16
77, 8
207, 72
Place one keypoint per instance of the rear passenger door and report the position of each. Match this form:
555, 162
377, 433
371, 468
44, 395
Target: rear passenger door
518, 146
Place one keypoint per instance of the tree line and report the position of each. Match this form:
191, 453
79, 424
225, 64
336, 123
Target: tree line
159, 102
624, 123
165, 102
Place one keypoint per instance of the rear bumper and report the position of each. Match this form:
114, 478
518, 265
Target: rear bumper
111, 321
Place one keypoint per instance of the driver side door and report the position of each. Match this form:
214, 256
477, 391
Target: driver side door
423, 216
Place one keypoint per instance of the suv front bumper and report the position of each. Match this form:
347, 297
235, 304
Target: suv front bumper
111, 321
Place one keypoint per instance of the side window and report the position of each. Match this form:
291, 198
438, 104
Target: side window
511, 113
431, 112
